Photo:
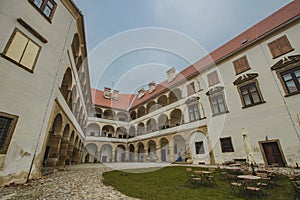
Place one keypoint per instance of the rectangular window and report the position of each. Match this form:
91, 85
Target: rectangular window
280, 46
199, 147
250, 95
21, 50
213, 78
7, 125
92, 134
190, 88
218, 104
226, 144
45, 7
241, 65
291, 79
194, 112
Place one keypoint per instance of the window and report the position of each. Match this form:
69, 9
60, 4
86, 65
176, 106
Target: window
45, 7
213, 78
92, 134
190, 88
291, 79
241, 65
218, 105
226, 145
122, 119
250, 95
194, 112
7, 125
280, 46
199, 147
21, 50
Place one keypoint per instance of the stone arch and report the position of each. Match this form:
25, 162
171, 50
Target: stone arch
132, 132
91, 153
75, 46
132, 115
106, 153
151, 151
108, 131
75, 150
162, 101
151, 106
72, 100
122, 116
120, 153
131, 153
200, 152
66, 84
121, 132
151, 125
174, 95
51, 154
140, 128
179, 148
98, 112
175, 118
163, 122
141, 111
164, 150
108, 114
93, 129
141, 152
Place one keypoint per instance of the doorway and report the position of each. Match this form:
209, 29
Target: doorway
163, 155
272, 153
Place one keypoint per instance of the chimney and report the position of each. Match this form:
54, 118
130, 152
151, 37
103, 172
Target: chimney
151, 87
171, 74
141, 93
107, 93
115, 95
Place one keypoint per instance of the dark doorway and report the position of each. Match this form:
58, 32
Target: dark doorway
272, 153
163, 155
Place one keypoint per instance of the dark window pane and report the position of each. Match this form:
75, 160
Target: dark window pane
5, 124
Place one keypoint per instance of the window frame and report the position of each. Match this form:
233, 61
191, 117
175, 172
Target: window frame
279, 47
201, 149
8, 45
223, 149
247, 85
214, 96
194, 112
238, 67
4, 148
42, 8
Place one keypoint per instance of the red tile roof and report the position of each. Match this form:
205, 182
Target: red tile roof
253, 34
123, 103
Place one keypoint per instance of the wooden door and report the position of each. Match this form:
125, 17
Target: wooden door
273, 154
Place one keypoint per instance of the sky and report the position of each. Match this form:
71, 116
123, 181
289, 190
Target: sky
134, 42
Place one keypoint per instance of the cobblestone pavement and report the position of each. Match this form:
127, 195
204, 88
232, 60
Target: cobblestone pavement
76, 182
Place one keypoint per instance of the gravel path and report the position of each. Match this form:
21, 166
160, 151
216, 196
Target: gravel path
76, 182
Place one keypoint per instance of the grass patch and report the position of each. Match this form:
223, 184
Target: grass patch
171, 183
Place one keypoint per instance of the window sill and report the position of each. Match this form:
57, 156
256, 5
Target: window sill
292, 94
283, 54
16, 63
217, 114
262, 102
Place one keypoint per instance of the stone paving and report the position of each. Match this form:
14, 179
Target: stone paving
82, 181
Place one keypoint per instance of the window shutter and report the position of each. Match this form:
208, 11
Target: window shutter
212, 78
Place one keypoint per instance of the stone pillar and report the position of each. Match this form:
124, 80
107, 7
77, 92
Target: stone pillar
63, 153
69, 154
172, 159
99, 155
136, 155
158, 153
54, 151
211, 152
146, 157
113, 155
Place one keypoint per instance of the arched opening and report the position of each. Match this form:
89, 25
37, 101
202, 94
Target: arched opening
93, 129
179, 150
151, 151
141, 111
175, 118
64, 146
120, 153
141, 152
140, 128
106, 153
131, 153
151, 106
199, 148
121, 132
163, 122
151, 125
108, 131
174, 95
133, 115
79, 63
162, 101
53, 144
108, 114
98, 112
164, 150
92, 151
132, 132
75, 46
122, 116
66, 85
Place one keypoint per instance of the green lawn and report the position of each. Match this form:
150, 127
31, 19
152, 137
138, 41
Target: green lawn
171, 183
